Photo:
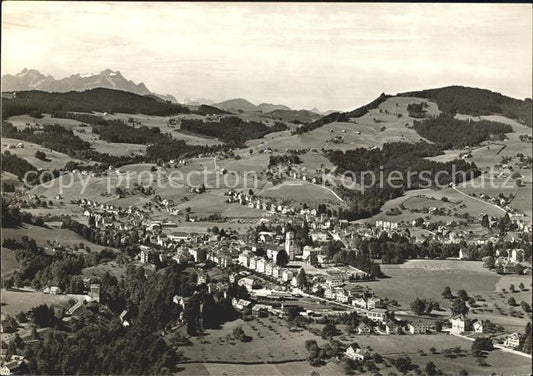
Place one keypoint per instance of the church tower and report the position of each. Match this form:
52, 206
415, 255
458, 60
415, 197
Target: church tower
289, 244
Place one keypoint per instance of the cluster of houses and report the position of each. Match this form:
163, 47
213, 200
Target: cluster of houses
259, 203
512, 261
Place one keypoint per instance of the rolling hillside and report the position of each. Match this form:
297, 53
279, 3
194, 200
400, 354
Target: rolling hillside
100, 100
476, 102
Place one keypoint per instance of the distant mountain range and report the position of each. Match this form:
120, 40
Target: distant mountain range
240, 104
197, 101
236, 105
31, 79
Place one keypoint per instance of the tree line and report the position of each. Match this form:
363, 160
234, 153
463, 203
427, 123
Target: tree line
97, 100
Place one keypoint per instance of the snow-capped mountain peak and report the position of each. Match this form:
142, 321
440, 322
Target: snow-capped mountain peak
31, 79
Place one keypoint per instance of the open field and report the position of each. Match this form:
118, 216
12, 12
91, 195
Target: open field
54, 159
300, 191
22, 300
388, 346
42, 235
165, 127
8, 177
427, 279
426, 198
283, 369
24, 121
9, 262
369, 126
271, 341
523, 195
490, 153
395, 346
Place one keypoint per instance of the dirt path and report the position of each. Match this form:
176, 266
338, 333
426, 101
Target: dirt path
478, 199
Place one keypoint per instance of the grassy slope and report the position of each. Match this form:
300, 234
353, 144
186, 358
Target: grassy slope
41, 235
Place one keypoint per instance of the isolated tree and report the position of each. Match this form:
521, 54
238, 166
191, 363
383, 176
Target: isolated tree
480, 345
8, 283
329, 330
40, 155
282, 258
511, 301
429, 307
488, 262
447, 293
301, 279
459, 307
21, 318
431, 369
521, 286
463, 372
526, 344
512, 288
239, 334
525, 306
462, 294
418, 306
485, 221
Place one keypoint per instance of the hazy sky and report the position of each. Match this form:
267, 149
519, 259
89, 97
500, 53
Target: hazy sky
333, 56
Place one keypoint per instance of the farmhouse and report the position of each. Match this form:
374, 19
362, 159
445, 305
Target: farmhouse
419, 327
481, 326
392, 327
377, 314
512, 341
355, 353
460, 324
364, 329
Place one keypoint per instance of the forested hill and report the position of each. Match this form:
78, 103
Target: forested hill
99, 99
476, 102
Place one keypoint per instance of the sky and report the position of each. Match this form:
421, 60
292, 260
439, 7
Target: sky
304, 55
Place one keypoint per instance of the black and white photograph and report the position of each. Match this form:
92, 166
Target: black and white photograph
266, 188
